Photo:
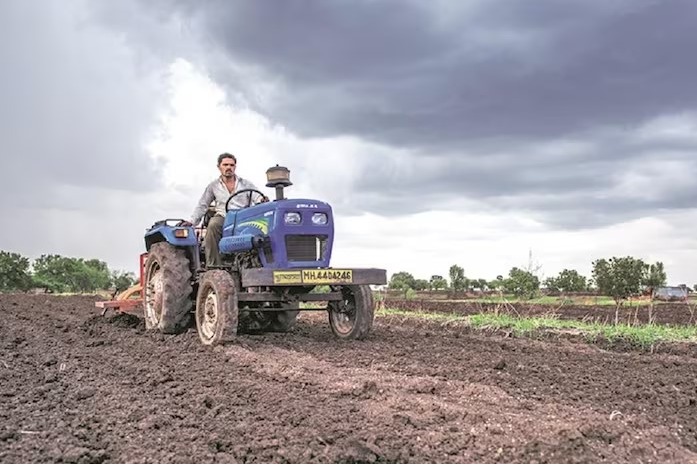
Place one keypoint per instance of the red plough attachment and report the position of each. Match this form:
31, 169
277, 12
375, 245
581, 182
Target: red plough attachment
130, 300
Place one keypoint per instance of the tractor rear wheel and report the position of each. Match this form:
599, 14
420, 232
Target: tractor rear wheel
217, 311
352, 317
167, 303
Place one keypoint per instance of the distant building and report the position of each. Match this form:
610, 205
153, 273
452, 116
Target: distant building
671, 293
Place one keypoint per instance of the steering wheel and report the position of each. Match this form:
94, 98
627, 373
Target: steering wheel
244, 191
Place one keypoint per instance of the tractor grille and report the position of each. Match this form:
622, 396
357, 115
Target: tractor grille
306, 248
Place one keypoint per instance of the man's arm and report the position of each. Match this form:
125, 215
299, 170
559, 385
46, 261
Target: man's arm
203, 203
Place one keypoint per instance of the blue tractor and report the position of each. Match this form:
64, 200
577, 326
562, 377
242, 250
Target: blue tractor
275, 256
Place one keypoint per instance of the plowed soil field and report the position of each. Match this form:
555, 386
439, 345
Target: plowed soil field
78, 387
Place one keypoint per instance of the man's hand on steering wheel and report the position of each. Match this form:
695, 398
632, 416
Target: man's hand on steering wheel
264, 198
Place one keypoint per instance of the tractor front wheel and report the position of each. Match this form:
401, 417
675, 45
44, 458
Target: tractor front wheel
217, 310
352, 317
167, 304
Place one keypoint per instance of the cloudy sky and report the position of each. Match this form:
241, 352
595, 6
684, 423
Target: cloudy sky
442, 132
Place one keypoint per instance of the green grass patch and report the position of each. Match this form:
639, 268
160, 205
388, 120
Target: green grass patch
558, 300
642, 335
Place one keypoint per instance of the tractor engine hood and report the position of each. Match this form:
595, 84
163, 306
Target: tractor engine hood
291, 233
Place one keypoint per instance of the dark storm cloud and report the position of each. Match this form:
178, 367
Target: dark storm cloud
438, 74
469, 91
76, 111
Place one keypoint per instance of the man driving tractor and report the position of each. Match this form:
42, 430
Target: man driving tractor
220, 190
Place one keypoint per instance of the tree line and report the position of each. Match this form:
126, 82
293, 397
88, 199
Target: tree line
617, 277
55, 273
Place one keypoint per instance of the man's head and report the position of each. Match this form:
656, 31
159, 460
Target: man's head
226, 164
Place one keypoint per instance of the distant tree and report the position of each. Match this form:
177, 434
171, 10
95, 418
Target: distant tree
95, 275
420, 284
619, 277
521, 283
551, 284
65, 274
496, 284
572, 281
567, 281
479, 284
14, 272
402, 281
655, 276
438, 282
51, 271
457, 278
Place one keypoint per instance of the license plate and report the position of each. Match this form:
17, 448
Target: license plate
327, 276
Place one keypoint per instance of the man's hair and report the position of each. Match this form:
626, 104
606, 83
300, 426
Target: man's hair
225, 155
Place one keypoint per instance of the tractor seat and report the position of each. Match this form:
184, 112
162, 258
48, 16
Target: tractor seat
201, 230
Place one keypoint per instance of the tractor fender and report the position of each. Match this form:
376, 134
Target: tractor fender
171, 235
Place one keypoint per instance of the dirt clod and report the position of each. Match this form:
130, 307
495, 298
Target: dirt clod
500, 364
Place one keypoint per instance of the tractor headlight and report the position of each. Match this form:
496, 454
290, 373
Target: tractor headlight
292, 218
319, 218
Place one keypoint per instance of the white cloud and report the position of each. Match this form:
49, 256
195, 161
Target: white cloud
200, 125
669, 128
